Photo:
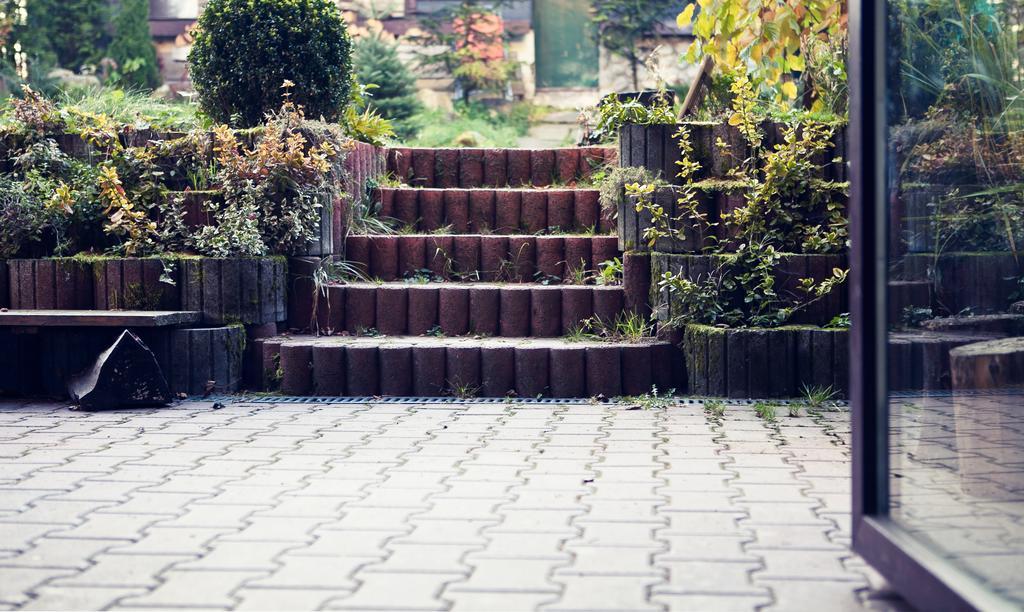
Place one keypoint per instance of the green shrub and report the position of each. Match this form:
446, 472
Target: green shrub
132, 47
245, 50
394, 94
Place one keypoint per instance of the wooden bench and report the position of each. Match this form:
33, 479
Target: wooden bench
98, 318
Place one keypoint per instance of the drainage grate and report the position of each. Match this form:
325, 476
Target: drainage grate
402, 400
540, 401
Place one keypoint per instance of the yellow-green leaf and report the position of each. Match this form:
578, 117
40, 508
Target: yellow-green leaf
735, 119
686, 17
789, 89
796, 62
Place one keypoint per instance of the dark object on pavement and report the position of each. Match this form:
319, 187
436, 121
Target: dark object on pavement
125, 375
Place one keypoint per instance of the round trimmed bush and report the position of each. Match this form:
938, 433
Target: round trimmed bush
245, 50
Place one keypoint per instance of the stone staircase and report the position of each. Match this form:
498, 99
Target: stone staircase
480, 288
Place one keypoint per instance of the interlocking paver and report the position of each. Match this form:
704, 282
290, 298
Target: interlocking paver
459, 507
192, 589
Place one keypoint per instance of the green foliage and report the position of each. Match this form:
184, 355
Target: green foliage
362, 122
470, 125
620, 26
613, 113
652, 400
132, 48
74, 31
714, 409
270, 183
962, 56
818, 397
765, 411
122, 107
463, 38
245, 52
613, 186
394, 97
766, 40
785, 211
627, 327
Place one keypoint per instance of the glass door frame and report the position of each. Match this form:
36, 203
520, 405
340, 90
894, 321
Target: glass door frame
915, 570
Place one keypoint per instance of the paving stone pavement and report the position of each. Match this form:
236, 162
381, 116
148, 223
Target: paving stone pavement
475, 507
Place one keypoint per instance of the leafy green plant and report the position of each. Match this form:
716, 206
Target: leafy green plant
766, 40
394, 97
609, 272
245, 51
465, 39
784, 210
840, 321
794, 410
132, 48
613, 112
362, 122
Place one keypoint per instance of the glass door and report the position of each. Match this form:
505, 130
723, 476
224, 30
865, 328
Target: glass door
938, 229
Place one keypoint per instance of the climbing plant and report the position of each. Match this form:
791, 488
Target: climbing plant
785, 210
766, 39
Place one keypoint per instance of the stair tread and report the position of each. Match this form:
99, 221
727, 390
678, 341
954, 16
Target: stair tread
471, 341
428, 235
474, 285
522, 188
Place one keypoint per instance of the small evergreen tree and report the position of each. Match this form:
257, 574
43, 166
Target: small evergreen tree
132, 47
76, 29
394, 97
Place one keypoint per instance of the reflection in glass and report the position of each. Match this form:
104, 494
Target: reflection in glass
956, 281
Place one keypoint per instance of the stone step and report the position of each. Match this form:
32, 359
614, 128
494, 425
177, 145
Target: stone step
470, 168
482, 257
503, 211
455, 309
489, 367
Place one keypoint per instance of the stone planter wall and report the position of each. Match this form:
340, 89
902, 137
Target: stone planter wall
656, 148
787, 275
134, 284
981, 282
714, 199
251, 291
764, 363
235, 290
322, 244
5, 292
50, 284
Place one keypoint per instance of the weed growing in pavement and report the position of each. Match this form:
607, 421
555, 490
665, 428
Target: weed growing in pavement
715, 408
818, 397
766, 411
794, 410
463, 391
651, 400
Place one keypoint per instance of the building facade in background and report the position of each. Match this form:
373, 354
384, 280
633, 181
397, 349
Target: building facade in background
560, 63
